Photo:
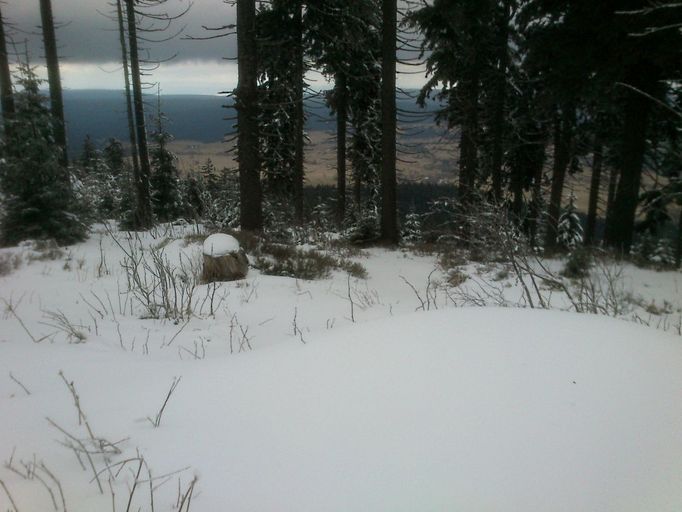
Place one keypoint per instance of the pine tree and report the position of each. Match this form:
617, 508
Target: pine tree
132, 137
98, 190
89, 154
37, 190
570, 229
164, 183
246, 95
344, 41
389, 194
143, 212
113, 157
6, 92
54, 78
458, 38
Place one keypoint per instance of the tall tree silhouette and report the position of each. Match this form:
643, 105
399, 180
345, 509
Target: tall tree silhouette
389, 197
143, 210
6, 95
246, 103
128, 91
54, 77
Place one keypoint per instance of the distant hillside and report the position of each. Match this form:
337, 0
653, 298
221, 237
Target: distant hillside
102, 114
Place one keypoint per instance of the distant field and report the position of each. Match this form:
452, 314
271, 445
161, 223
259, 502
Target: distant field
424, 159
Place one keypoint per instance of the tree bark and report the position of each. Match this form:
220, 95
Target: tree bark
128, 93
6, 95
535, 210
251, 214
300, 115
54, 78
143, 211
389, 195
595, 182
468, 159
357, 193
620, 222
562, 156
678, 248
613, 185
341, 129
500, 103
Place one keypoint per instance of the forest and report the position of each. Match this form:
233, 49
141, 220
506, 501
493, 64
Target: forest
533, 92
435, 266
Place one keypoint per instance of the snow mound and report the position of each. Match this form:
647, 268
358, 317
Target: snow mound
220, 244
468, 409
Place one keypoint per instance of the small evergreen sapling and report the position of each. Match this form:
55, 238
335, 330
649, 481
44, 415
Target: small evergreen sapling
164, 183
39, 200
570, 229
412, 229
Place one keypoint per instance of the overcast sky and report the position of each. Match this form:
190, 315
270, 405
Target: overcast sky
90, 51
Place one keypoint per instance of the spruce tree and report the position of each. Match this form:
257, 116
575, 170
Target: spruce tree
389, 193
246, 96
6, 92
458, 37
165, 180
344, 42
37, 190
54, 78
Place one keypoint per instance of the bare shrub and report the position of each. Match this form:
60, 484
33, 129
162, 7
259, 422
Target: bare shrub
74, 333
308, 264
9, 262
160, 288
156, 422
599, 291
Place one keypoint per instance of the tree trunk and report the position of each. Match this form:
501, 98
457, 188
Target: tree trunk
143, 211
591, 224
300, 116
468, 158
613, 185
251, 214
620, 222
516, 186
54, 78
6, 95
500, 103
678, 245
128, 94
536, 201
357, 193
341, 129
389, 196
562, 155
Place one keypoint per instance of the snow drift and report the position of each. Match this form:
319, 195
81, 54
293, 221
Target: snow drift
469, 409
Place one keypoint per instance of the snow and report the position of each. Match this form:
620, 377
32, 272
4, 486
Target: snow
220, 244
476, 409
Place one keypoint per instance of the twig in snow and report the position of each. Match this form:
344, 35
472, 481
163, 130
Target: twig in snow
49, 473
423, 304
11, 309
156, 422
187, 497
352, 304
297, 330
82, 419
132, 491
177, 333
11, 500
83, 449
19, 383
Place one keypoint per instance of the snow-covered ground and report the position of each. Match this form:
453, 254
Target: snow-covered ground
332, 395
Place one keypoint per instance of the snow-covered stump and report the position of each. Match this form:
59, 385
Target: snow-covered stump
224, 260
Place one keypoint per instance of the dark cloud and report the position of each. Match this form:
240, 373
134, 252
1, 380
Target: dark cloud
87, 35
